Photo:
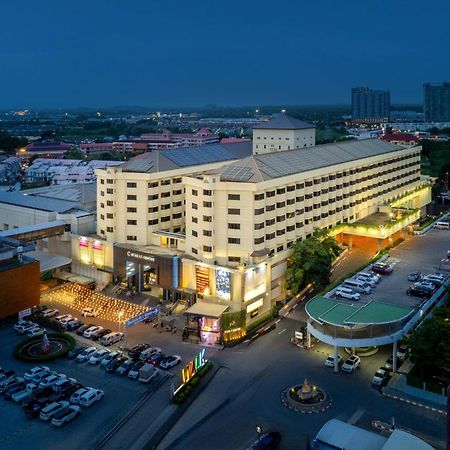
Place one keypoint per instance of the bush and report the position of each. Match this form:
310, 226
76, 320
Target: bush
17, 352
47, 322
195, 381
181, 396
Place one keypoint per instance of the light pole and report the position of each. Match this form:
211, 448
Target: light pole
120, 323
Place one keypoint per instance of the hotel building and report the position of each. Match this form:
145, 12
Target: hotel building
214, 225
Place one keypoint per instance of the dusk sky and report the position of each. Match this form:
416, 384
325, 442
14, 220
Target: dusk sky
191, 53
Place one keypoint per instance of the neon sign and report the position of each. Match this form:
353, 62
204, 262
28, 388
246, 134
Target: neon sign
193, 367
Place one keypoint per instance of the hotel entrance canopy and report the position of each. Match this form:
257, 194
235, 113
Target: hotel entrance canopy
206, 309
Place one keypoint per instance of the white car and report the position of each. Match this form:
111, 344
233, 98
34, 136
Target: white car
434, 279
111, 338
370, 276
49, 312
36, 332
372, 283
86, 354
170, 361
39, 376
149, 352
50, 410
108, 358
329, 362
98, 356
89, 312
75, 397
25, 393
66, 320
347, 293
351, 364
62, 417
90, 397
62, 317
22, 324
35, 370
51, 380
28, 327
88, 333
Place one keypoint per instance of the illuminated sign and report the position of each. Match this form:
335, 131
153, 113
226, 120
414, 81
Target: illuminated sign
142, 256
193, 367
223, 283
255, 305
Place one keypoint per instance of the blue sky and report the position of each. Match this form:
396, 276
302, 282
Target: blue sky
191, 53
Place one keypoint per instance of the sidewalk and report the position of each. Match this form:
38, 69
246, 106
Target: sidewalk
397, 389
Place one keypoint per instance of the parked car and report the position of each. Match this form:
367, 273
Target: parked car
33, 407
38, 377
156, 359
7, 395
9, 383
381, 377
415, 276
5, 374
28, 327
134, 371
115, 363
62, 382
83, 328
63, 317
74, 324
351, 364
90, 397
99, 334
125, 367
267, 441
86, 354
50, 410
89, 312
36, 332
35, 370
371, 282
370, 275
49, 312
76, 351
75, 397
88, 333
51, 380
402, 352
382, 268
136, 350
65, 416
170, 361
389, 364
329, 362
111, 338
418, 292
149, 352
97, 357
350, 294
22, 324
108, 358
437, 280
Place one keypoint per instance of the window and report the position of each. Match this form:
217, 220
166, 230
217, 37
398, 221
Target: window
176, 204
153, 209
131, 185
290, 188
194, 233
281, 204
235, 259
281, 232
290, 228
176, 180
110, 216
281, 218
259, 211
259, 226
194, 220
102, 217
131, 238
109, 203
131, 222
153, 222
300, 185
234, 226
259, 197
109, 229
194, 206
177, 216
110, 191
102, 181
194, 192
270, 236
207, 233
259, 240
207, 248
281, 191
166, 206
131, 197
280, 248
290, 201
177, 192
194, 251
153, 197
234, 240
165, 194
207, 204
207, 192
270, 194
153, 184
270, 222
207, 218
165, 219
131, 210
234, 197
234, 211
270, 208
109, 181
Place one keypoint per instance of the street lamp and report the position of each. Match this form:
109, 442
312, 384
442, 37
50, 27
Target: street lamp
120, 322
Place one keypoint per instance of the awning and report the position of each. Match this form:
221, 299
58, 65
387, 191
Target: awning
263, 252
49, 261
206, 309
74, 278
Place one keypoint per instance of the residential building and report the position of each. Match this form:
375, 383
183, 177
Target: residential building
400, 138
9, 170
49, 148
436, 102
96, 147
228, 215
370, 106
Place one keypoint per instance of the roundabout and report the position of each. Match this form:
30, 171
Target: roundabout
306, 399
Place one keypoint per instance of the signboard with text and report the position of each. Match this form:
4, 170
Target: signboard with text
24, 313
150, 314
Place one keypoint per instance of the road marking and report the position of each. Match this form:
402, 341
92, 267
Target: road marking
356, 416
282, 331
278, 321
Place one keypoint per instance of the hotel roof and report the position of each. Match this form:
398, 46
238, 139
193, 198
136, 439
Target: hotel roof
257, 168
35, 202
283, 122
176, 158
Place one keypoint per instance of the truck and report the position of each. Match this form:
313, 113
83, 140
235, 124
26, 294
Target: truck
147, 372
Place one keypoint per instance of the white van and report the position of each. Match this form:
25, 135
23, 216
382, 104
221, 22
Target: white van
442, 225
358, 286
111, 338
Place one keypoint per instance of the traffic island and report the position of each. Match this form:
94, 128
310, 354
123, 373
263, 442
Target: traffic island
306, 399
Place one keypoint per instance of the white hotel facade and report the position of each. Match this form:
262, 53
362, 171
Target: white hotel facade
215, 223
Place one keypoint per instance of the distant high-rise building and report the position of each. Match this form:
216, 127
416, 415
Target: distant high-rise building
370, 106
436, 102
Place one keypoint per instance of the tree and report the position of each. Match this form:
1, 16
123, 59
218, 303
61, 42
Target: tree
311, 261
10, 144
430, 343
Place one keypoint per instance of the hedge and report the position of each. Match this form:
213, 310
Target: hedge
47, 322
181, 395
63, 352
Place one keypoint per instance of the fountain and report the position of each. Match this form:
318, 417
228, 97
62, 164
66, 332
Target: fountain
46, 348
306, 398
